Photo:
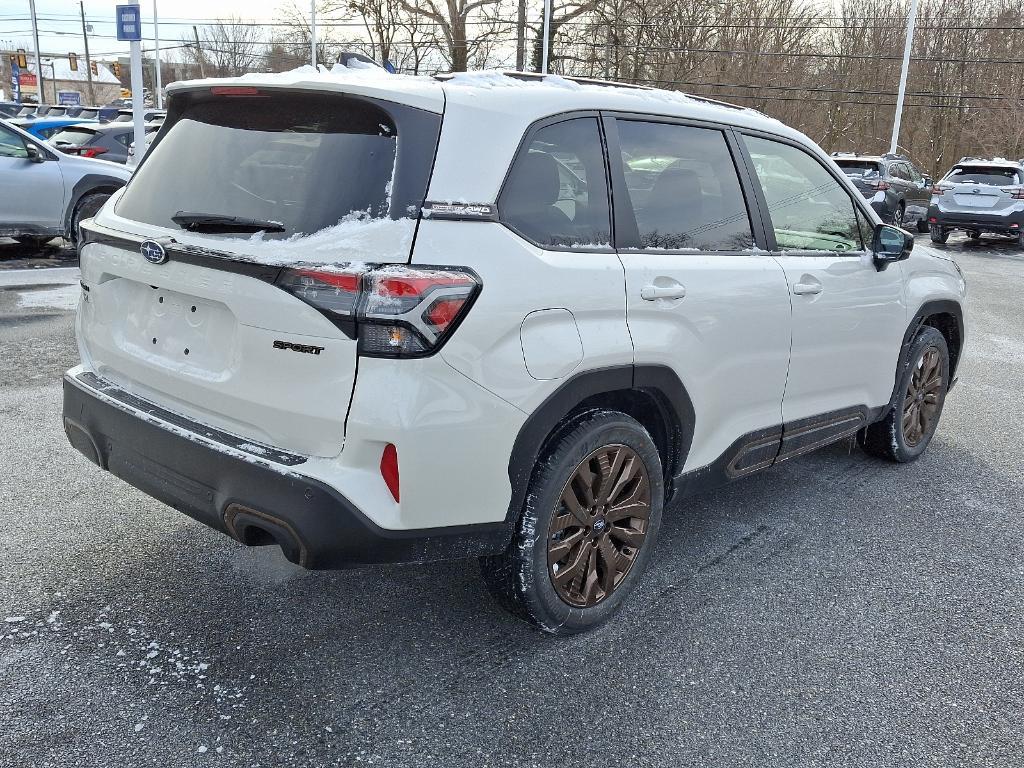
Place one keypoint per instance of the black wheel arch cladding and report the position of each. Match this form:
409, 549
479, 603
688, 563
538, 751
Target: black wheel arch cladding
654, 389
88, 184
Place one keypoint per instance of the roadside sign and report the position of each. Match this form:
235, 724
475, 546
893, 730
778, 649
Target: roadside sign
15, 79
129, 22
70, 98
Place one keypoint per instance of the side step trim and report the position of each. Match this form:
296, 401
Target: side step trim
255, 449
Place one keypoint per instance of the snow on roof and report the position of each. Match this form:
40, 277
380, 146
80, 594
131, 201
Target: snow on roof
62, 71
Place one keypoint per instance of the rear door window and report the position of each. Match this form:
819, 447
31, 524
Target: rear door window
683, 188
304, 162
810, 210
556, 193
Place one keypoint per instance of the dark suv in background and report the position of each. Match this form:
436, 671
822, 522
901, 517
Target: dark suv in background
897, 189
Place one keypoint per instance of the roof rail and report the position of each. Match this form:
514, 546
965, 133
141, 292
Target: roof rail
539, 77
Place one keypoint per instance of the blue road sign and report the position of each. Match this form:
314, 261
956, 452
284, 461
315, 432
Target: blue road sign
129, 22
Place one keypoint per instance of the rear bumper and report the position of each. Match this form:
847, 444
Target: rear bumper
251, 500
1011, 223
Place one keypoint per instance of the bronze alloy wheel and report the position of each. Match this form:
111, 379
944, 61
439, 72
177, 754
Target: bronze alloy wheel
921, 405
599, 525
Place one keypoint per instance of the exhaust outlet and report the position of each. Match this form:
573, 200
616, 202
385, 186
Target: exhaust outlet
255, 528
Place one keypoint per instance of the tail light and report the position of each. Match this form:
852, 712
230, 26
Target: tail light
83, 151
938, 191
880, 186
394, 310
1017, 194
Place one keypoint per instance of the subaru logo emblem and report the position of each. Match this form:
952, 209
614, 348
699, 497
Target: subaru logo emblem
153, 252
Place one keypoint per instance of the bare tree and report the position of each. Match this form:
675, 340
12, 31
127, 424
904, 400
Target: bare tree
450, 19
227, 48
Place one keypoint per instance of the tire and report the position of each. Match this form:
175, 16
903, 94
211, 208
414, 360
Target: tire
939, 235
897, 216
577, 461
923, 226
87, 207
1019, 240
907, 429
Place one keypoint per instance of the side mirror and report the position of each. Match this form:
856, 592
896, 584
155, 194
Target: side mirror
34, 155
891, 244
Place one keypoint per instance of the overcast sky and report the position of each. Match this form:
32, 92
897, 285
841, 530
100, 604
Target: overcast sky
60, 27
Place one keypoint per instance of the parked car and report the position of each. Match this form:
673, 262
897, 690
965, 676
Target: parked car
47, 194
45, 127
152, 129
148, 115
979, 195
84, 113
897, 189
9, 109
267, 347
107, 141
27, 110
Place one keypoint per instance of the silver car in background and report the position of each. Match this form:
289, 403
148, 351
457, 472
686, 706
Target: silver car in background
979, 195
46, 193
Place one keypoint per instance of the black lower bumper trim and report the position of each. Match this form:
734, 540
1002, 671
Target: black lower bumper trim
315, 525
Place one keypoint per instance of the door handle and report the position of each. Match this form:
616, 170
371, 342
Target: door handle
655, 292
808, 286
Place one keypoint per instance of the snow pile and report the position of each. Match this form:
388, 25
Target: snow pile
356, 238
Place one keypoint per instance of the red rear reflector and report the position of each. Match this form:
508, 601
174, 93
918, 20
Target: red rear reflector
933, 220
389, 469
235, 90
937, 190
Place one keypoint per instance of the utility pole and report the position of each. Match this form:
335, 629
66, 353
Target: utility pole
88, 61
312, 28
547, 37
199, 52
156, 53
911, 21
39, 58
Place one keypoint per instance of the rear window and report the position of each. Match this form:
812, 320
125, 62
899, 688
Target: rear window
864, 168
303, 161
996, 177
76, 137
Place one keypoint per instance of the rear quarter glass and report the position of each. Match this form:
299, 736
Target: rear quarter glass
307, 160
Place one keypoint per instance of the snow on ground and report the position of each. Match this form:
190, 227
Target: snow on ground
64, 297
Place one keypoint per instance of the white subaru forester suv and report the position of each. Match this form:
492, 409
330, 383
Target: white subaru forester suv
371, 318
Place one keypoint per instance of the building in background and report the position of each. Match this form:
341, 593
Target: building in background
59, 78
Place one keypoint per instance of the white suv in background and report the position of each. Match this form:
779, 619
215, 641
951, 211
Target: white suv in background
373, 318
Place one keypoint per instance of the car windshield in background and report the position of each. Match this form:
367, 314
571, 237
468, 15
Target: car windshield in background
302, 161
996, 177
75, 137
858, 167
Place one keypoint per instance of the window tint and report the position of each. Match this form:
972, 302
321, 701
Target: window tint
996, 177
683, 187
557, 192
304, 160
865, 168
73, 136
11, 144
808, 207
898, 171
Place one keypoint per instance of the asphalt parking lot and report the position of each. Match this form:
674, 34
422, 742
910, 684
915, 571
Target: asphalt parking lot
834, 611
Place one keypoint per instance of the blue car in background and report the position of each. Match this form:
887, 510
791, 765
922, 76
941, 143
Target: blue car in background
44, 127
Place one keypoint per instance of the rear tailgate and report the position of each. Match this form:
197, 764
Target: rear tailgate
208, 332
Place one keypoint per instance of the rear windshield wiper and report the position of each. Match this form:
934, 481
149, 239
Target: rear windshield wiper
217, 222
